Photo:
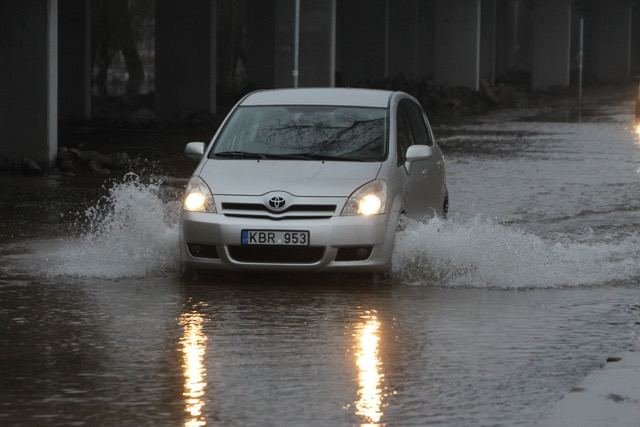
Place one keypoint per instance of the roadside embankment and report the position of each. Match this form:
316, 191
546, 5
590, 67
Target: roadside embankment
609, 396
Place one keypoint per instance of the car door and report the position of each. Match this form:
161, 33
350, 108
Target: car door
438, 175
425, 178
415, 204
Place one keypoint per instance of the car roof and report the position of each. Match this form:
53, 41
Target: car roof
320, 96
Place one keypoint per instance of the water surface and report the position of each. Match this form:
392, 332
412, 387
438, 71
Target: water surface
487, 319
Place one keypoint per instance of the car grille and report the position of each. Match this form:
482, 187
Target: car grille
297, 211
277, 254
278, 218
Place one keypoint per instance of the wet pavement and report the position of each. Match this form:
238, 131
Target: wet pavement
488, 318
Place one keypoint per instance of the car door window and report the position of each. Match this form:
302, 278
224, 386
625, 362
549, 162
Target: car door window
405, 137
430, 131
419, 129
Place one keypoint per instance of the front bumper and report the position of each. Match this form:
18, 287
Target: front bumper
330, 234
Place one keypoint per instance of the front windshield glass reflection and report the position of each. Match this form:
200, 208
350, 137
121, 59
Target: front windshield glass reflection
305, 132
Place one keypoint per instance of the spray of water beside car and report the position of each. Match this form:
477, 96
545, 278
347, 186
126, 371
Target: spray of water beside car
311, 179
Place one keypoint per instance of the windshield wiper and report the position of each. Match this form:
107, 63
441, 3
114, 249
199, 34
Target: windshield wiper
311, 156
240, 155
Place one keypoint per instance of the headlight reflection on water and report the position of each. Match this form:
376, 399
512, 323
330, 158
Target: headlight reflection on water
369, 364
194, 345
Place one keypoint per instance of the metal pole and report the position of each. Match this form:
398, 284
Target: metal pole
580, 66
296, 43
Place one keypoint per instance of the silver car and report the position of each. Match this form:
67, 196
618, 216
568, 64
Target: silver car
311, 179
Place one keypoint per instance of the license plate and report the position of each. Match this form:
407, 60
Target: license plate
275, 237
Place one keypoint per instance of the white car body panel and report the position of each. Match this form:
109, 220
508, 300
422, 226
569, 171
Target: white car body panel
315, 193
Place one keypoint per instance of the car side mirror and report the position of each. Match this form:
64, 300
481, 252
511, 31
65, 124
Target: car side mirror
415, 153
194, 150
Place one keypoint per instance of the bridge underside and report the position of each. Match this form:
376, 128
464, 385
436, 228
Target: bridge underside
206, 54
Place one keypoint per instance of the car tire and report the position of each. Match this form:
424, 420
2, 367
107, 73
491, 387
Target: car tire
402, 222
445, 206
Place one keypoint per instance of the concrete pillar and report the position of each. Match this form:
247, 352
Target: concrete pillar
317, 43
361, 40
612, 39
74, 80
185, 67
488, 41
29, 80
457, 43
551, 44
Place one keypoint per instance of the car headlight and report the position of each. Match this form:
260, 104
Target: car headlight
370, 199
198, 197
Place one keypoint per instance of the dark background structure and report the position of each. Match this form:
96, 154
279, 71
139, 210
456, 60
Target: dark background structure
186, 62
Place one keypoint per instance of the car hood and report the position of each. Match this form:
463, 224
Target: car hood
300, 178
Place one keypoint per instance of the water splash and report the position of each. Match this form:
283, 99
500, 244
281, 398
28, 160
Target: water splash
479, 252
133, 232
130, 232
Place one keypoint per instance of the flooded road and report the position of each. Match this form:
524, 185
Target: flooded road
488, 318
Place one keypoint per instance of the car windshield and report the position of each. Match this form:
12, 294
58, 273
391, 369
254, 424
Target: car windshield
304, 132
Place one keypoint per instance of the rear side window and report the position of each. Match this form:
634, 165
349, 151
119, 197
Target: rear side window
421, 135
404, 134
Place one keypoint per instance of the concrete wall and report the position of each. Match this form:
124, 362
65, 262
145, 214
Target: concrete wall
361, 41
261, 43
403, 38
502, 38
318, 43
185, 58
426, 38
635, 41
488, 29
317, 52
283, 52
612, 41
514, 34
457, 42
28, 80
74, 35
551, 44
380, 39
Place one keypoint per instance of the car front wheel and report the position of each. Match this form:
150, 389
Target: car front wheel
445, 207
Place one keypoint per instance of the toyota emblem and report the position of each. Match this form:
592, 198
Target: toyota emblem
277, 202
